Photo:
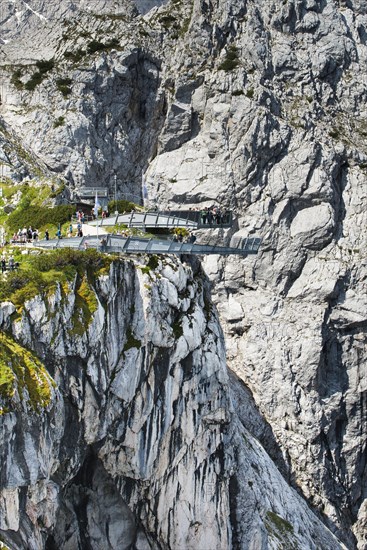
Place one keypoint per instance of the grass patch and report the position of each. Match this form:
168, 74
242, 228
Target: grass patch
39, 275
185, 26
22, 372
85, 305
281, 525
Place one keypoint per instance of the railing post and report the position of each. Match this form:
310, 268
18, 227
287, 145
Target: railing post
148, 246
126, 243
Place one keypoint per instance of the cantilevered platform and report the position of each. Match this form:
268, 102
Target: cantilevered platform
136, 245
189, 219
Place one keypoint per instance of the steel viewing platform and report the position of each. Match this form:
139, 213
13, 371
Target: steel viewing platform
139, 245
189, 219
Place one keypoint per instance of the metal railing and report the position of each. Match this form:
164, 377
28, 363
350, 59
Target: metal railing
90, 192
117, 243
189, 219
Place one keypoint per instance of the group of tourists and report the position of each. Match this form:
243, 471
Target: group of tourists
212, 215
8, 265
80, 216
70, 232
25, 235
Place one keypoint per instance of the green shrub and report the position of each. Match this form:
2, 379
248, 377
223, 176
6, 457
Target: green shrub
63, 85
16, 79
25, 283
131, 341
181, 232
37, 216
121, 206
34, 81
231, 60
15, 281
68, 257
43, 67
96, 46
75, 56
334, 133
60, 121
250, 93
153, 262
167, 20
177, 329
151, 265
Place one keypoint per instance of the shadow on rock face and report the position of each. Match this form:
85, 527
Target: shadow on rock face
93, 515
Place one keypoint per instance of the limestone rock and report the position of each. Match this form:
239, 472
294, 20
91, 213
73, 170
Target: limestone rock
258, 106
313, 226
141, 418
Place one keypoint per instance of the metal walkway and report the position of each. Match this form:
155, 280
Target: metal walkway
138, 245
90, 192
189, 219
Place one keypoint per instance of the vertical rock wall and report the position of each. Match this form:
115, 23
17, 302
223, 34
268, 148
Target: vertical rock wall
135, 424
259, 106
138, 444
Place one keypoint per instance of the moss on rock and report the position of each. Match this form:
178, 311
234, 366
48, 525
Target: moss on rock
22, 373
85, 305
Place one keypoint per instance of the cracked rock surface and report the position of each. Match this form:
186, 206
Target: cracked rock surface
259, 106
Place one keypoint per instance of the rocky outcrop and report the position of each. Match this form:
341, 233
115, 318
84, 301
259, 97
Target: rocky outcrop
260, 107
135, 443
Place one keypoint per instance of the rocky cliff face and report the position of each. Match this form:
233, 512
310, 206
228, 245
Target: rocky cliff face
133, 442
259, 106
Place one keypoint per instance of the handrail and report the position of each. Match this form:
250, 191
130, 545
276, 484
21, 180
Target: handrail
150, 246
170, 219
